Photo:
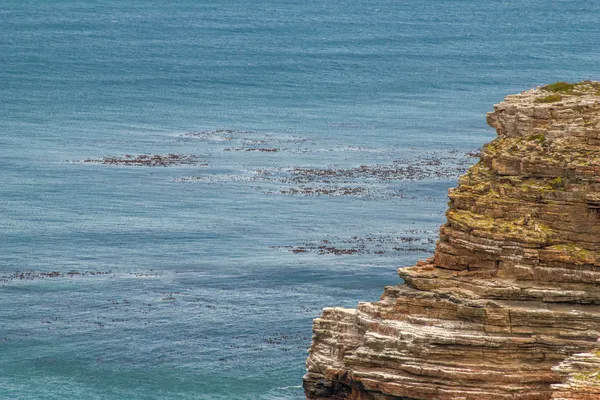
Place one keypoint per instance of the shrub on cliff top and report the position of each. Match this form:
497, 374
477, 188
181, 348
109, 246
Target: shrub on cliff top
576, 89
549, 99
562, 87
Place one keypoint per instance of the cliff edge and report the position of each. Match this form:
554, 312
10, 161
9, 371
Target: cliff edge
514, 287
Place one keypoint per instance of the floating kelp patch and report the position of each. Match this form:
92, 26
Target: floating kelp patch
38, 275
399, 170
411, 241
219, 179
325, 191
148, 160
384, 172
33, 275
377, 180
254, 149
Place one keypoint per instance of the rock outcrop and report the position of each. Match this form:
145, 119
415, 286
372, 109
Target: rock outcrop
514, 286
580, 375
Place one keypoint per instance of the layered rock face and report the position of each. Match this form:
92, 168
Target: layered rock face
514, 286
580, 375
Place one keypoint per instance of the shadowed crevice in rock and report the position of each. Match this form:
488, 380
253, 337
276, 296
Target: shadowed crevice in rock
513, 288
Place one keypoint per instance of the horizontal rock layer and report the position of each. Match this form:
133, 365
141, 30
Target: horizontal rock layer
513, 288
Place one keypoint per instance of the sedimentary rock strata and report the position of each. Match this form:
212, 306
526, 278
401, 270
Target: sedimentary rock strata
514, 286
580, 376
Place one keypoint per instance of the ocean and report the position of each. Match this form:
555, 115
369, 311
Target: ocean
185, 185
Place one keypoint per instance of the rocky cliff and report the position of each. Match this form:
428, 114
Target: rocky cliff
514, 286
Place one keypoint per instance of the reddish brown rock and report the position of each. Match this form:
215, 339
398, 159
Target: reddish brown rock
514, 286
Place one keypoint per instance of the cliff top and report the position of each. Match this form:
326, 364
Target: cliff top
559, 93
557, 110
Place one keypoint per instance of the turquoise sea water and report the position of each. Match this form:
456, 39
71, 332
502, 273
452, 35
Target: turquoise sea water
201, 281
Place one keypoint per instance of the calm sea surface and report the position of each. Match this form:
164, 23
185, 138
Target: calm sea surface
321, 139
